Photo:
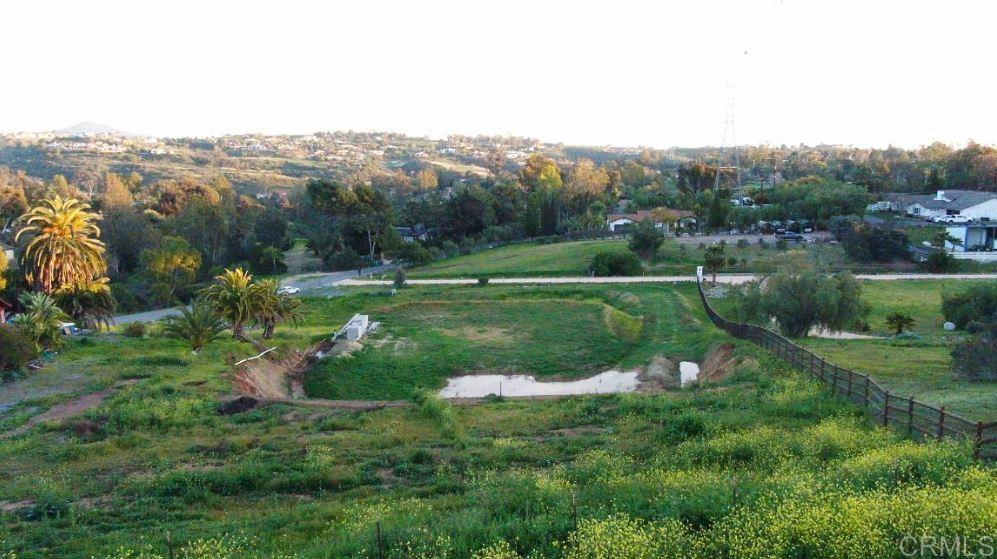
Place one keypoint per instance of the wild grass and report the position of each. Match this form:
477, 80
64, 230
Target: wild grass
764, 464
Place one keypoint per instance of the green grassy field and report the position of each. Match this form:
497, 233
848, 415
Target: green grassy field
522, 259
572, 259
761, 464
921, 366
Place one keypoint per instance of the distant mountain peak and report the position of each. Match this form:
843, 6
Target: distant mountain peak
91, 128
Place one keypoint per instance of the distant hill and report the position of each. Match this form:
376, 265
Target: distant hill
91, 128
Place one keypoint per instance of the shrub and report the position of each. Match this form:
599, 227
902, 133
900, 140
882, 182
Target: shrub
645, 238
940, 262
743, 243
482, 281
976, 358
135, 329
976, 304
872, 244
415, 254
800, 300
16, 349
899, 322
399, 278
432, 406
615, 264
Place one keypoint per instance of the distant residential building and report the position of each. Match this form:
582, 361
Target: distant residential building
413, 234
664, 219
971, 204
977, 241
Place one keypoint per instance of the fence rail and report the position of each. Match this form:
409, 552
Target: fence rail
905, 414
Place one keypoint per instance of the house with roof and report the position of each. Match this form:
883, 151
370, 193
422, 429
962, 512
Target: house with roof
971, 204
412, 234
974, 241
665, 219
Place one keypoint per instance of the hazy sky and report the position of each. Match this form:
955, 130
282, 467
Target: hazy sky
614, 72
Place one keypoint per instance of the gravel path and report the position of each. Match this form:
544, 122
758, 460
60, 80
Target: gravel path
721, 278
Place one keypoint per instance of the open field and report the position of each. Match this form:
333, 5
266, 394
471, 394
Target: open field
919, 365
674, 257
728, 469
522, 259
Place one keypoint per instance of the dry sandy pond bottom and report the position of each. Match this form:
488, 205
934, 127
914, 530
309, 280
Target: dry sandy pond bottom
607, 382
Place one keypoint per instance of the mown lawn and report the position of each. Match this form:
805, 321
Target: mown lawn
430, 334
762, 464
572, 259
521, 260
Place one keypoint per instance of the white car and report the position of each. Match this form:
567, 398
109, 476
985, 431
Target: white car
288, 290
952, 219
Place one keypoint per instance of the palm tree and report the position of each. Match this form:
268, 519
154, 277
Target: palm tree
899, 322
199, 325
275, 308
89, 303
41, 320
63, 246
236, 298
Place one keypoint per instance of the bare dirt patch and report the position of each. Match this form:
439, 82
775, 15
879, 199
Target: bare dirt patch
581, 430
69, 409
719, 363
399, 345
483, 334
14, 506
660, 374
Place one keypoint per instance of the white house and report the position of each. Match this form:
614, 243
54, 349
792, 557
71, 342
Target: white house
972, 204
977, 241
622, 222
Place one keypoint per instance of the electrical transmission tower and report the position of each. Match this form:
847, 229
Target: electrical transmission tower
725, 171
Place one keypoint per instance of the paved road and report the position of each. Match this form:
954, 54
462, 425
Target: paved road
721, 278
320, 280
751, 238
304, 282
308, 282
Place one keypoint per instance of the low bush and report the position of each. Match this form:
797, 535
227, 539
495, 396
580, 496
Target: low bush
645, 238
16, 349
940, 262
976, 304
606, 264
432, 406
976, 358
135, 329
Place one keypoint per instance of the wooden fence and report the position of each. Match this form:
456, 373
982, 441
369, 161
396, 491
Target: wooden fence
905, 414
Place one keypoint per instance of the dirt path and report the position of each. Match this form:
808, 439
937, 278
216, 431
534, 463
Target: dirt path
721, 278
68, 409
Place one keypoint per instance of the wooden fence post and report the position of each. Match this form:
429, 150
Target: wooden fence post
834, 380
941, 423
865, 397
850, 374
910, 417
823, 368
886, 409
380, 545
978, 447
